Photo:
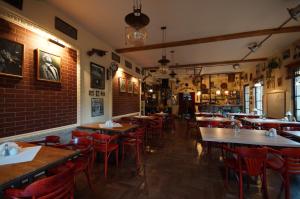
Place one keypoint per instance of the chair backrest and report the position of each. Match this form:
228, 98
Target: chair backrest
60, 185
78, 134
203, 123
214, 124
291, 160
253, 158
101, 138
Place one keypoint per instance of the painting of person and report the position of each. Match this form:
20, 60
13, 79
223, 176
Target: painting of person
49, 67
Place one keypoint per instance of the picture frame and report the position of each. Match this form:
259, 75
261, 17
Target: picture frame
97, 74
48, 66
97, 107
97, 93
102, 93
129, 86
122, 85
286, 54
135, 88
91, 93
11, 58
115, 57
128, 64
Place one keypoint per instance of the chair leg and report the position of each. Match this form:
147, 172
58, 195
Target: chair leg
226, 177
117, 157
123, 153
241, 185
87, 174
105, 165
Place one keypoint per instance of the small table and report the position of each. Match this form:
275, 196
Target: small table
95, 126
208, 114
217, 119
293, 133
239, 115
245, 137
256, 121
46, 158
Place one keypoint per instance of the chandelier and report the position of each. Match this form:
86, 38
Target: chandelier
163, 69
136, 33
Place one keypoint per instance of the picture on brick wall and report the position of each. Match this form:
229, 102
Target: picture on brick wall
130, 86
97, 107
48, 66
122, 84
135, 88
97, 76
11, 58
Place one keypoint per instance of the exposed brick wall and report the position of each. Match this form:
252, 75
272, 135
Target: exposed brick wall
28, 105
124, 103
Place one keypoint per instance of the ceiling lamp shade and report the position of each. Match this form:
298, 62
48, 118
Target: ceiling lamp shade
163, 61
136, 34
295, 12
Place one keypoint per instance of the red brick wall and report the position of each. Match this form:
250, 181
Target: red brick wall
28, 105
124, 103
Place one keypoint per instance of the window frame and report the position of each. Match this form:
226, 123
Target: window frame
259, 111
247, 85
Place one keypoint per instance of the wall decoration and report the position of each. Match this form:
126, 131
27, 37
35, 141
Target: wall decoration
129, 86
97, 107
246, 77
98, 52
250, 78
91, 93
11, 58
115, 57
97, 76
48, 67
296, 52
135, 88
102, 93
286, 54
65, 28
263, 66
279, 81
137, 70
97, 93
257, 69
128, 64
16, 3
122, 84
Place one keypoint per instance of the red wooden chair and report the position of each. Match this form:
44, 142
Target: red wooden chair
77, 134
48, 140
134, 140
286, 162
60, 185
191, 124
156, 127
105, 144
246, 161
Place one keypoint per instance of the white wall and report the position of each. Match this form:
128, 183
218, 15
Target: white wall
41, 14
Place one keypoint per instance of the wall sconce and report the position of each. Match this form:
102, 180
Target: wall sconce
218, 92
199, 93
56, 42
226, 92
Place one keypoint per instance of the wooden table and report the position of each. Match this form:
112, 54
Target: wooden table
46, 158
95, 126
208, 114
293, 133
245, 137
257, 121
243, 115
217, 119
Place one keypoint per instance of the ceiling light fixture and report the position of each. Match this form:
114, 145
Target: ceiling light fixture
295, 12
163, 61
253, 46
236, 66
136, 34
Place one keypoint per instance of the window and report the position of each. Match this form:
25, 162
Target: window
247, 99
258, 94
297, 94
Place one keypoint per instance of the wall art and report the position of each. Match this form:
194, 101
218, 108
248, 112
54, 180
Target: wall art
97, 107
97, 76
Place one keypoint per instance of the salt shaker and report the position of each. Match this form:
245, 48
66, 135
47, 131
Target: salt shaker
6, 150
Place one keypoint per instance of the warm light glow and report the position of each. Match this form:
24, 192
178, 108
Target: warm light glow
226, 92
199, 93
150, 90
120, 72
257, 84
218, 92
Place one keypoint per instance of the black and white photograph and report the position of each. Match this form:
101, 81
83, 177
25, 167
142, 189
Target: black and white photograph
97, 76
11, 58
48, 67
97, 107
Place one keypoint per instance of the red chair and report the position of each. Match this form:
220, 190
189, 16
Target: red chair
105, 144
48, 140
60, 185
78, 134
156, 127
286, 162
246, 161
191, 124
134, 140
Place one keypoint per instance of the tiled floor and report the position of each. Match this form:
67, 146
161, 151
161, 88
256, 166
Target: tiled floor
173, 170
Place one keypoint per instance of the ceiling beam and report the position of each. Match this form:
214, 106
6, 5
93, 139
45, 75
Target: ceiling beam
239, 35
219, 63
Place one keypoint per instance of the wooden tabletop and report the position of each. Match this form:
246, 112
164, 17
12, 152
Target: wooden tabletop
261, 121
293, 133
218, 119
47, 157
243, 114
208, 114
144, 117
95, 126
245, 136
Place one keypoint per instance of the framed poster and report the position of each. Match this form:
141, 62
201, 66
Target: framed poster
11, 58
122, 84
48, 67
128, 64
97, 107
97, 76
135, 88
115, 57
130, 86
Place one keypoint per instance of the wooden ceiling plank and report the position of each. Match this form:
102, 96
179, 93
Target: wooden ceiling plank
232, 36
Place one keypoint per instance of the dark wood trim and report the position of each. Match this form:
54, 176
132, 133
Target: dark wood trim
239, 35
293, 64
228, 62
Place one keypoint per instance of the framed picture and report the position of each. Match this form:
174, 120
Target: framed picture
91, 93
16, 3
97, 76
135, 88
122, 84
97, 107
115, 57
48, 67
286, 54
137, 70
97, 93
128, 64
102, 93
130, 86
11, 58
